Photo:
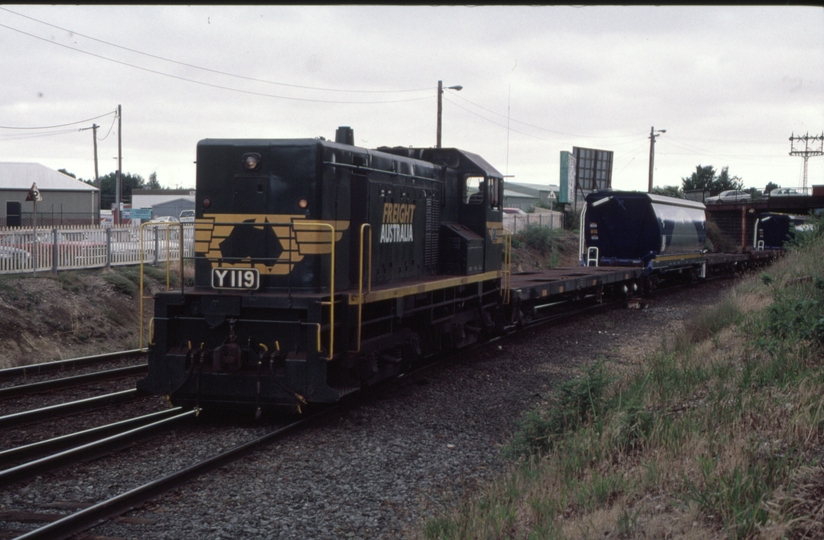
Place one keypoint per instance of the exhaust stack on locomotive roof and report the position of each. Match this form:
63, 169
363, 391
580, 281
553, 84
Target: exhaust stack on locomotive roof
345, 135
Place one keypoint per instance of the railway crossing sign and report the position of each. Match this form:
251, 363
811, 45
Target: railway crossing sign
35, 197
34, 194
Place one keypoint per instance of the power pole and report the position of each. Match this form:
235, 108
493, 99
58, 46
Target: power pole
94, 138
808, 152
96, 175
440, 114
119, 188
652, 135
94, 141
440, 109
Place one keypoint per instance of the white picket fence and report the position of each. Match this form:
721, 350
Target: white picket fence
515, 224
75, 247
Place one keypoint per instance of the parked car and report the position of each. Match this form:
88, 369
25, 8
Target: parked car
784, 192
164, 219
13, 258
514, 212
187, 216
729, 196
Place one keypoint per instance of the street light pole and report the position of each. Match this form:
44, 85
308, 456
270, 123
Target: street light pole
440, 108
652, 135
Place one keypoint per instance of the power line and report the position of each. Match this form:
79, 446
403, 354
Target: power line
635, 135
195, 66
18, 137
59, 125
209, 69
249, 92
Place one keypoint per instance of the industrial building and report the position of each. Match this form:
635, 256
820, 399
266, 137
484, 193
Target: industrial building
65, 200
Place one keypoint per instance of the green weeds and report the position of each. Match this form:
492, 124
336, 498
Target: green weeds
726, 419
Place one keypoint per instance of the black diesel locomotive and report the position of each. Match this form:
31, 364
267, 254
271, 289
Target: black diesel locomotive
321, 267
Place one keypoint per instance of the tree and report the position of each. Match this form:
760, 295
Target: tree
701, 179
705, 179
108, 188
724, 181
771, 186
669, 191
153, 183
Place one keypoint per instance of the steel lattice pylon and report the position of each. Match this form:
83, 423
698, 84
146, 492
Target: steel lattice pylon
809, 151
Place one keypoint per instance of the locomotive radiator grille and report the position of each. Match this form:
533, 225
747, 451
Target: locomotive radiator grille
433, 220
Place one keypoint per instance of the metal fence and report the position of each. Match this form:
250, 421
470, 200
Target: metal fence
517, 223
70, 248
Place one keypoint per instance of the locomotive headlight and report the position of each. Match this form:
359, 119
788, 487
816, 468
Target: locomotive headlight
207, 202
251, 161
303, 204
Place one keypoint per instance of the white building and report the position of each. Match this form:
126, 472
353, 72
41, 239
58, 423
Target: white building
66, 201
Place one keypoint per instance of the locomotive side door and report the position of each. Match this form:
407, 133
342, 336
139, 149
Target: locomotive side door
480, 210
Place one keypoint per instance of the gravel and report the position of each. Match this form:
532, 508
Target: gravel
375, 470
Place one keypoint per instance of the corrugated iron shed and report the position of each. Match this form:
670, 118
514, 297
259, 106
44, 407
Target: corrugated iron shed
20, 176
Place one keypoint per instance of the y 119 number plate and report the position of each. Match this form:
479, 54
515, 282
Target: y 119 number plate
247, 279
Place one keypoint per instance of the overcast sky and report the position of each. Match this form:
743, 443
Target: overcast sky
730, 85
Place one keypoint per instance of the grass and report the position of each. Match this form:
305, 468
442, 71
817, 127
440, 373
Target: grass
720, 432
126, 279
553, 245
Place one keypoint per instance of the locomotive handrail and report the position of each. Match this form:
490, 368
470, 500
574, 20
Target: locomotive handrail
383, 171
167, 227
331, 302
506, 270
369, 260
364, 227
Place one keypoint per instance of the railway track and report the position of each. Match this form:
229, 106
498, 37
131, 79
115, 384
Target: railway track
44, 368
50, 390
85, 445
66, 526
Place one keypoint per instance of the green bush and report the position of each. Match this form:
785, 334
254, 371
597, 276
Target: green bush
578, 402
539, 238
801, 318
120, 282
69, 281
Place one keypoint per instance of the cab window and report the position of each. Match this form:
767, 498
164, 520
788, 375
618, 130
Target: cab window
474, 187
494, 193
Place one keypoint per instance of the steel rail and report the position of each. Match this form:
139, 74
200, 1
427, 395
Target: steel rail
64, 442
57, 365
61, 409
69, 382
83, 520
91, 450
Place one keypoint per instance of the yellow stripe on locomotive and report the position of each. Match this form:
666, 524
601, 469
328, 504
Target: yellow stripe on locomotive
295, 242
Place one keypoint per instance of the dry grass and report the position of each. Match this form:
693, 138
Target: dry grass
717, 435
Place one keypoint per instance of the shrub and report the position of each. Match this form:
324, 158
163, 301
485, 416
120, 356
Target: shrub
542, 239
120, 282
578, 402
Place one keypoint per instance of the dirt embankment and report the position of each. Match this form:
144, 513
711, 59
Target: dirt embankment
46, 316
